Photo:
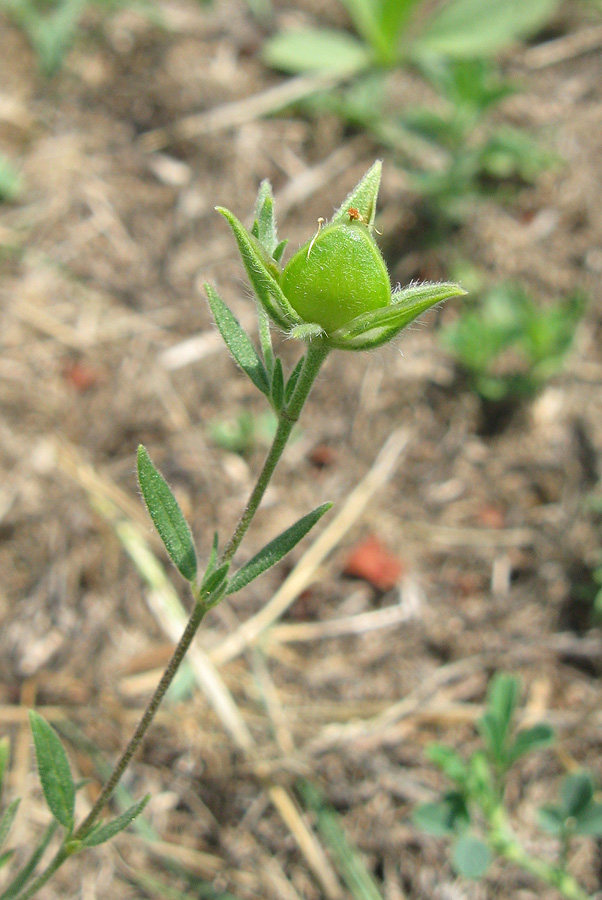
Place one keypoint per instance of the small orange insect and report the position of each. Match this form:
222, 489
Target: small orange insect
356, 216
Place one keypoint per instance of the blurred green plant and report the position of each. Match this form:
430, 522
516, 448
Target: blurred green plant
508, 345
11, 183
52, 26
449, 153
244, 432
474, 816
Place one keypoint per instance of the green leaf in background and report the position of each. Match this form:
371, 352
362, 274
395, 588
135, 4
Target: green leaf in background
106, 831
589, 821
465, 28
54, 770
449, 761
316, 50
576, 793
535, 738
471, 857
551, 818
7, 819
22, 877
167, 516
276, 549
238, 342
445, 818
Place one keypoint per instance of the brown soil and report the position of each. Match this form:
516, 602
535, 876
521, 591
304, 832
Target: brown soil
107, 342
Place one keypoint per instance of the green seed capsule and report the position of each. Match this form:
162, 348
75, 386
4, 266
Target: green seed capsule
337, 276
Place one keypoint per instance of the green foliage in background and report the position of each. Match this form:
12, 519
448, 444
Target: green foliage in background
450, 156
473, 814
11, 183
508, 345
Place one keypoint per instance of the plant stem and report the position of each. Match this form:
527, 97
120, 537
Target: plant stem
504, 843
315, 356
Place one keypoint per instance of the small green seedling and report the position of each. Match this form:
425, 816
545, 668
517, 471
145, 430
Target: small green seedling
473, 814
11, 183
508, 345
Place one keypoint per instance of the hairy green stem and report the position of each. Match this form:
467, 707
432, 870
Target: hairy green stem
315, 356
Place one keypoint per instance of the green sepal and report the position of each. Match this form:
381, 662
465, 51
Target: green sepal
363, 197
7, 819
276, 549
167, 516
293, 379
264, 227
375, 328
54, 770
263, 274
108, 830
237, 340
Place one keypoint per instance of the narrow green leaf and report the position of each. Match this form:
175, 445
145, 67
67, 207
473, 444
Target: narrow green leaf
263, 274
465, 28
471, 857
238, 341
54, 770
350, 864
167, 516
277, 391
276, 549
293, 379
449, 761
108, 830
502, 699
363, 197
213, 579
576, 792
22, 877
7, 819
316, 50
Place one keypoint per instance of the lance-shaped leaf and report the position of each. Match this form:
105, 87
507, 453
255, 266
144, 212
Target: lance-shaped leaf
277, 386
167, 516
107, 830
363, 197
276, 549
377, 327
54, 770
263, 274
238, 341
293, 379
